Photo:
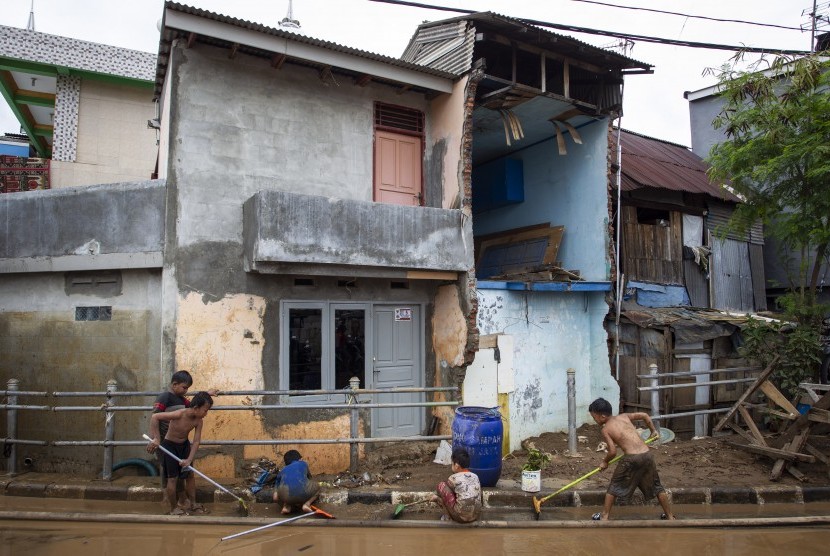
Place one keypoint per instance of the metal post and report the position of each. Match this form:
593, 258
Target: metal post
11, 426
354, 421
109, 430
571, 412
655, 395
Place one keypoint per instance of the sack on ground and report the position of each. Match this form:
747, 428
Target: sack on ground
443, 454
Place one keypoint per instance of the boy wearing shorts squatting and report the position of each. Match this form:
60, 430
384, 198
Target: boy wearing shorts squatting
637, 468
294, 487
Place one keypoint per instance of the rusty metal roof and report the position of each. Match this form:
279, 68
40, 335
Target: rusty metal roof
649, 162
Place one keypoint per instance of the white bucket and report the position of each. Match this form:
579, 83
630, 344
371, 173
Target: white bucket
531, 481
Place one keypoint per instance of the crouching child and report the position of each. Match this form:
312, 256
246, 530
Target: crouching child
293, 485
460, 495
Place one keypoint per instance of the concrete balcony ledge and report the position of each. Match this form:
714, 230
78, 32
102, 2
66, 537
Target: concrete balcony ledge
293, 233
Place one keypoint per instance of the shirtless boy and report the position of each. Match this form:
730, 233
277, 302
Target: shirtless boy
176, 441
636, 469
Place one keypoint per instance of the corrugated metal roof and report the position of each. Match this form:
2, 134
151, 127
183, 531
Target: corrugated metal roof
648, 162
518, 30
165, 40
446, 47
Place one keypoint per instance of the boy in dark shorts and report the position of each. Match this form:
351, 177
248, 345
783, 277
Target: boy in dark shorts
294, 487
173, 400
636, 469
177, 442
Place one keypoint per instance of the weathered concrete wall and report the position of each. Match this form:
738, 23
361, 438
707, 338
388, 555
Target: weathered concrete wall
105, 226
552, 331
443, 160
292, 228
284, 130
114, 143
568, 191
46, 349
701, 114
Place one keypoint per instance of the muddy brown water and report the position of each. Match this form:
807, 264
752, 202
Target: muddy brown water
419, 533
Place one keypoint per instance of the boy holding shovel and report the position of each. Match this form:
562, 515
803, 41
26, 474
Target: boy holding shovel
637, 468
176, 441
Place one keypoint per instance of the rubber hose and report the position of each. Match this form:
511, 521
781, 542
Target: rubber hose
137, 462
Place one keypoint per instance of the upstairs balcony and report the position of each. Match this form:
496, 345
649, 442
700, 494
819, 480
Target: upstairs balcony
290, 233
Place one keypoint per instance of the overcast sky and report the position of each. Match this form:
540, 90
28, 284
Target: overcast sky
654, 104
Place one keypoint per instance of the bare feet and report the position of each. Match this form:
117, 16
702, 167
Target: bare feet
307, 508
285, 510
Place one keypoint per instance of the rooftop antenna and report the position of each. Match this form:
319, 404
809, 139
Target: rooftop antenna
31, 25
288, 22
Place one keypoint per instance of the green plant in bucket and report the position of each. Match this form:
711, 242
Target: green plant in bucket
536, 460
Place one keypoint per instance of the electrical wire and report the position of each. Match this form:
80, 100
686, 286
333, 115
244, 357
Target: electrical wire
589, 31
690, 15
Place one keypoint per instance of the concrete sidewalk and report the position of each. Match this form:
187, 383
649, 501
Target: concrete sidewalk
506, 494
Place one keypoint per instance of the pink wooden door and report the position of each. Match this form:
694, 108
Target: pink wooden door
397, 168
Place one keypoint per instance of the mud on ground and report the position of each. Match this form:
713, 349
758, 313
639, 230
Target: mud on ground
681, 463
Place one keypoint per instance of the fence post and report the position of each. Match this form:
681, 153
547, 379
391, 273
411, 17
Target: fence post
571, 412
109, 430
354, 421
655, 396
11, 426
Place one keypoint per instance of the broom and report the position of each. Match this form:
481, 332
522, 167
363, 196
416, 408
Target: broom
400, 507
537, 502
242, 505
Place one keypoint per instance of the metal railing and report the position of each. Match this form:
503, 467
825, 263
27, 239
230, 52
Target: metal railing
352, 403
654, 377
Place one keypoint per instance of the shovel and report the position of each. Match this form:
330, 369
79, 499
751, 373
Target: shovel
242, 505
537, 502
401, 507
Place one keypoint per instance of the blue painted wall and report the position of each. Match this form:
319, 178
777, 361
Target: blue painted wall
551, 331
569, 190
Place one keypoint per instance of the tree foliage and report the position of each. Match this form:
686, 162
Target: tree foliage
776, 155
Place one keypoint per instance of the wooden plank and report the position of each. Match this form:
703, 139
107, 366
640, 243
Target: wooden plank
813, 451
750, 423
818, 415
801, 422
747, 393
778, 398
488, 341
742, 432
773, 452
795, 446
794, 471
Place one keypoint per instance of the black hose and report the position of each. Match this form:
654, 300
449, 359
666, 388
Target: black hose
137, 462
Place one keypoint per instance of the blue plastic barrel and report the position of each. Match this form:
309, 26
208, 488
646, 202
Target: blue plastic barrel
479, 430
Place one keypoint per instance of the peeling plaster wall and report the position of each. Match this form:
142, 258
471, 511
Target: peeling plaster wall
46, 349
552, 332
447, 123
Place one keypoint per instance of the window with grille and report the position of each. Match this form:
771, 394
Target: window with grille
93, 313
400, 118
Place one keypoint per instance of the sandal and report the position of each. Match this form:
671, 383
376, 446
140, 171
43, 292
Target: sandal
597, 516
198, 509
177, 511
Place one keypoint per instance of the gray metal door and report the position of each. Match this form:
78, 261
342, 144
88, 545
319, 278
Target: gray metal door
731, 276
397, 363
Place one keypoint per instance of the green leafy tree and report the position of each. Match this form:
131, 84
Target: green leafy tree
776, 157
776, 152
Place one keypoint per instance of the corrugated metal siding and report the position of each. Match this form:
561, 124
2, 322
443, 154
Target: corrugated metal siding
756, 262
696, 284
447, 47
718, 217
731, 276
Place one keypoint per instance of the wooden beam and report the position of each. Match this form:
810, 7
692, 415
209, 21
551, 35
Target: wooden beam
774, 452
742, 432
43, 129
35, 98
278, 60
234, 49
750, 423
500, 39
812, 450
776, 396
363, 80
793, 447
566, 77
431, 275
818, 415
747, 393
403, 89
488, 341
191, 38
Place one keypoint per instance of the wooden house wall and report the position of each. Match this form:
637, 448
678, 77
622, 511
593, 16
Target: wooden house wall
652, 253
